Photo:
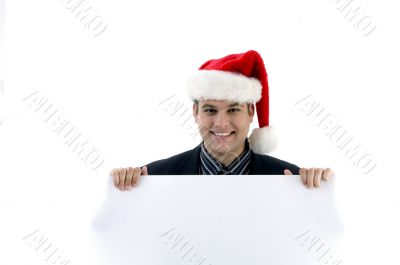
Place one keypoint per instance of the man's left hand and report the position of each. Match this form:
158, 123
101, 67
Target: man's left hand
311, 177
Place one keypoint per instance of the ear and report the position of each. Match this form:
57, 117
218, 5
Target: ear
195, 111
252, 111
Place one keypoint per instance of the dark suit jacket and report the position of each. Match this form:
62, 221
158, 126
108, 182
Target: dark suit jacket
188, 163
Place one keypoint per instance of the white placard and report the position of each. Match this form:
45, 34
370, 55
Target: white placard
218, 220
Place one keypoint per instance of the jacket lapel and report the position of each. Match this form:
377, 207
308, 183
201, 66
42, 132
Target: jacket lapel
191, 163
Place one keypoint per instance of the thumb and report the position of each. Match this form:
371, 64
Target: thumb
287, 172
144, 170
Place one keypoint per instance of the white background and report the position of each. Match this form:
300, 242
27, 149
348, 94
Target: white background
110, 86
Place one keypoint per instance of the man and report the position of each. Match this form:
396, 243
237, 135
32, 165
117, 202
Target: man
224, 91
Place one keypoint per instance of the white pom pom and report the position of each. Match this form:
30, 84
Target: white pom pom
263, 140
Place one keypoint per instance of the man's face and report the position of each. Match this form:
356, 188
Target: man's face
223, 125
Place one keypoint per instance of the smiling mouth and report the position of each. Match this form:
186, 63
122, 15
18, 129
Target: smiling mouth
222, 134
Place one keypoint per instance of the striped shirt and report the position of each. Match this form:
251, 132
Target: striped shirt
240, 166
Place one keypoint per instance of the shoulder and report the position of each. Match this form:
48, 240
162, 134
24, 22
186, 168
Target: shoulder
268, 165
185, 163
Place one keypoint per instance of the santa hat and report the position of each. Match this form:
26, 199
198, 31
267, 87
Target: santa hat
238, 78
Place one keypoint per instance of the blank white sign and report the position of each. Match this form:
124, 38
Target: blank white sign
218, 220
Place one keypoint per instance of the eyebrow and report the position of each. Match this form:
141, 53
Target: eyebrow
212, 106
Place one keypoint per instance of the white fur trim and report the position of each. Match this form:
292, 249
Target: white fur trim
222, 85
263, 140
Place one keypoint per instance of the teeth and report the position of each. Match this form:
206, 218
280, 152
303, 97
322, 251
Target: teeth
222, 134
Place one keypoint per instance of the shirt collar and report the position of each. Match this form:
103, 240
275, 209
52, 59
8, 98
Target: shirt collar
240, 166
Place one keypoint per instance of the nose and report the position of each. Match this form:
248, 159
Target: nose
221, 120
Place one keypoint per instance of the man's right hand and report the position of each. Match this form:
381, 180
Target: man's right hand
126, 178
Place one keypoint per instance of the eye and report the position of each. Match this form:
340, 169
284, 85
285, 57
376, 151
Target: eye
234, 110
210, 110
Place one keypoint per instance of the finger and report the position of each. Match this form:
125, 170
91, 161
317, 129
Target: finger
327, 174
136, 176
287, 172
121, 175
144, 171
129, 178
310, 177
115, 177
317, 177
303, 175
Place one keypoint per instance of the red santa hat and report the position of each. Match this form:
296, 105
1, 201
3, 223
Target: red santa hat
238, 78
